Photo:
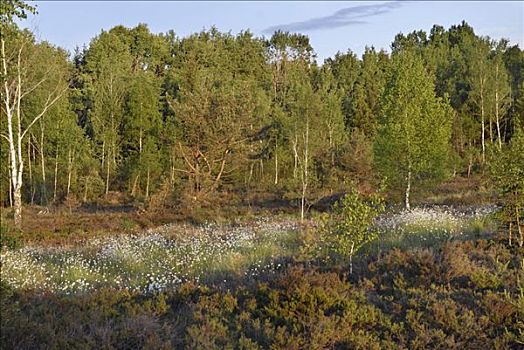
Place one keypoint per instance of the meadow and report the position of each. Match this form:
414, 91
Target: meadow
437, 277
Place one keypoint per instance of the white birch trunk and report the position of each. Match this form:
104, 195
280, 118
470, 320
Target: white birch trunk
305, 173
483, 121
147, 184
276, 162
56, 175
497, 118
70, 157
408, 188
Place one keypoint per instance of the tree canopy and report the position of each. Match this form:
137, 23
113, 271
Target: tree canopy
143, 113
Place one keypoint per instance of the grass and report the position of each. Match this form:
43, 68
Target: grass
248, 285
431, 227
170, 255
152, 261
467, 295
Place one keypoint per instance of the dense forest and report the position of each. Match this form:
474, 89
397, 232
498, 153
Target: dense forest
184, 120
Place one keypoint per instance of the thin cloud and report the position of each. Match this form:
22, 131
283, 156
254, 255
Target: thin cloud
341, 18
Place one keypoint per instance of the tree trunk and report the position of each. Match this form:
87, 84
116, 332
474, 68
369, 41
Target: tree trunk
43, 200
408, 189
483, 124
86, 184
251, 169
510, 229
56, 174
490, 123
10, 182
147, 184
133, 189
140, 142
17, 187
305, 173
497, 108
276, 162
17, 197
107, 176
103, 153
351, 258
10, 194
69, 170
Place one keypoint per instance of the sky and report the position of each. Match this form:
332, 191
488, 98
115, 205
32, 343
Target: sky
331, 26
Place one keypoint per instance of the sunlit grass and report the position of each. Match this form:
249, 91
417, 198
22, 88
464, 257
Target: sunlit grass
168, 256
153, 261
430, 227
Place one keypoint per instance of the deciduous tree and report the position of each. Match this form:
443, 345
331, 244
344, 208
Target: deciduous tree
415, 128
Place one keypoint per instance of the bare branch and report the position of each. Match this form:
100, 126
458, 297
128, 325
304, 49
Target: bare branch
48, 104
185, 158
182, 171
34, 87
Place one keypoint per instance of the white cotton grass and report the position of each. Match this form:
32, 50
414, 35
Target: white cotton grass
152, 261
432, 225
433, 218
165, 257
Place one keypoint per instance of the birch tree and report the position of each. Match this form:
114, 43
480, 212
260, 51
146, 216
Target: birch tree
413, 136
479, 79
108, 64
25, 73
141, 129
501, 90
507, 171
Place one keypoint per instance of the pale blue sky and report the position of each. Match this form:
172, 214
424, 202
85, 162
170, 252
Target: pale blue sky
331, 26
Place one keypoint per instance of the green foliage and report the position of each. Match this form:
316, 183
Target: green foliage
11, 9
401, 300
9, 238
507, 171
414, 133
349, 226
214, 113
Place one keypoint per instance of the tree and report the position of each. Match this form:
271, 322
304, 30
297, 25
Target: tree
142, 124
501, 88
507, 170
27, 68
331, 129
349, 226
218, 108
514, 62
108, 65
413, 136
345, 69
364, 104
480, 82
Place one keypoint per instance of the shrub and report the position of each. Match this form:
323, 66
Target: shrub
349, 226
507, 170
10, 239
